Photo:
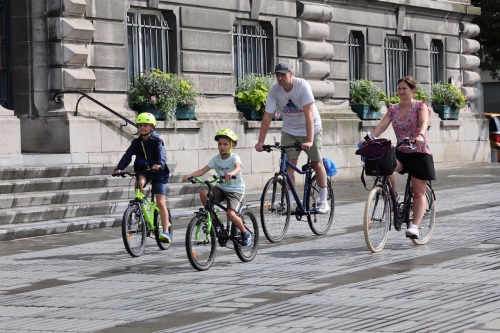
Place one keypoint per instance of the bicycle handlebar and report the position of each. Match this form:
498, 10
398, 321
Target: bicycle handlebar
407, 142
126, 173
278, 145
217, 179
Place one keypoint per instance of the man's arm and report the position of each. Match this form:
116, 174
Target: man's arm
309, 115
264, 127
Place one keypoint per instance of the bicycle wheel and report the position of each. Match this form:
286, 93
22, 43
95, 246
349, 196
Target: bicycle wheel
426, 227
200, 247
377, 219
275, 209
319, 223
159, 229
134, 230
246, 253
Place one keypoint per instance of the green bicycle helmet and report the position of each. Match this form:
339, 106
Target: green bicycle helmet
227, 133
145, 118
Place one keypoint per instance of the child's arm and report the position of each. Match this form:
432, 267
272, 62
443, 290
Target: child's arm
161, 152
197, 173
126, 159
236, 170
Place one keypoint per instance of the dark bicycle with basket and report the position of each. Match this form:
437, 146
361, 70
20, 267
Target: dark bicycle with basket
382, 207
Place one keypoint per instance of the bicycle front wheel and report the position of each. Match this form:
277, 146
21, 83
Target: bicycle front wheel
246, 253
426, 227
200, 245
159, 230
319, 223
275, 210
377, 219
134, 231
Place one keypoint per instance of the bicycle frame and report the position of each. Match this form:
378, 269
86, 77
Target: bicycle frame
284, 162
208, 213
148, 216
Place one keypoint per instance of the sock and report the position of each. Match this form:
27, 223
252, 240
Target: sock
322, 194
290, 196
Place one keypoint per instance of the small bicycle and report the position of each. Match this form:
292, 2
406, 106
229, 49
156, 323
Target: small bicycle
138, 223
382, 207
275, 210
207, 227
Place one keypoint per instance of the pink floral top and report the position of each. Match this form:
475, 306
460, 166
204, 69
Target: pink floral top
408, 126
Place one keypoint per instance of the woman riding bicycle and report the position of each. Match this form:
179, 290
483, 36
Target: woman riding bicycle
410, 119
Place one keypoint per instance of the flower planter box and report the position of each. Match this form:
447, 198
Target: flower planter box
365, 112
159, 115
445, 112
184, 113
249, 112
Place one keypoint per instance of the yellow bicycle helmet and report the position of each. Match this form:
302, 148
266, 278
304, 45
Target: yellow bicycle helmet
227, 133
145, 118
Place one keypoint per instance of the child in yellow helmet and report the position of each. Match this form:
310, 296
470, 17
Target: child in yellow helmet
150, 152
227, 164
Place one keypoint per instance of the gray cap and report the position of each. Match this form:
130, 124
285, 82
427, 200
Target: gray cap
282, 67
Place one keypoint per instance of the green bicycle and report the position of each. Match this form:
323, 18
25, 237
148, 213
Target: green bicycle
138, 222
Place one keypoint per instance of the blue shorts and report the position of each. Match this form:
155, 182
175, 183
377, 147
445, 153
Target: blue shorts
157, 186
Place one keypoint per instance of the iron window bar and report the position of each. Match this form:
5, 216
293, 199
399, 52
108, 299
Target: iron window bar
435, 57
354, 58
58, 98
148, 42
396, 62
250, 50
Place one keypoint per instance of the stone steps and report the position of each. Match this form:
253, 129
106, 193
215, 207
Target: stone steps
56, 199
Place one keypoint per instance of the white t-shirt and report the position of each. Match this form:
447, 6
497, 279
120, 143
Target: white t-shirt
222, 167
290, 104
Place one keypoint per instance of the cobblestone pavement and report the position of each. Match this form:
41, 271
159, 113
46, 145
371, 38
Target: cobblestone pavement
86, 282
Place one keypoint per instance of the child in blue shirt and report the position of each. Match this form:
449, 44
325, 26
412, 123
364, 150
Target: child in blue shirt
150, 152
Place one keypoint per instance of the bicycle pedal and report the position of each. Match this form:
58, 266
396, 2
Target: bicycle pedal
411, 237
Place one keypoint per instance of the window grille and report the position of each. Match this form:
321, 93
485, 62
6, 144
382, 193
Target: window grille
396, 63
435, 62
250, 50
148, 42
355, 51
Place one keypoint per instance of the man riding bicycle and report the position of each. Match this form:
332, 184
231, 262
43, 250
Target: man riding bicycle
294, 99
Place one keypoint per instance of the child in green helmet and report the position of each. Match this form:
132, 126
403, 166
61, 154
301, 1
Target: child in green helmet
227, 164
150, 153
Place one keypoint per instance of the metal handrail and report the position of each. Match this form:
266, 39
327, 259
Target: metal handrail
58, 98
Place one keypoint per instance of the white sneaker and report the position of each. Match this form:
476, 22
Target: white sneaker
412, 231
324, 207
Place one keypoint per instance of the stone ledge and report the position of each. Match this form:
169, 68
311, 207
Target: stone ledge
365, 124
450, 124
186, 125
255, 124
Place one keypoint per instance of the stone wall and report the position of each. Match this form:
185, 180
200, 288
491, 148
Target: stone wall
82, 44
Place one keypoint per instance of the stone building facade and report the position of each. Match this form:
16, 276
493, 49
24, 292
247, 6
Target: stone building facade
89, 45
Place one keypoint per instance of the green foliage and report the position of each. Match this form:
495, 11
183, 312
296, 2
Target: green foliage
420, 95
163, 91
185, 92
366, 92
253, 90
447, 94
489, 38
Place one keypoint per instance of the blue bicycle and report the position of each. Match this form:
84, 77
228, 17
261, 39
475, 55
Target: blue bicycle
275, 208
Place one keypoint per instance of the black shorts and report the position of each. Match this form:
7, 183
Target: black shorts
418, 165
